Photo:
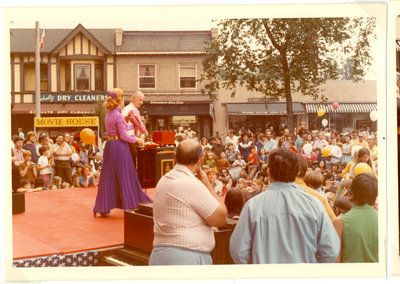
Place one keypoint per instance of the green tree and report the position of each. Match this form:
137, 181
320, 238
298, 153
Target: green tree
279, 56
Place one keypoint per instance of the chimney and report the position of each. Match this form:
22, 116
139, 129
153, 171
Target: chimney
214, 33
118, 37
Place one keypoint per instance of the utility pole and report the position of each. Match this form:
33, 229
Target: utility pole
37, 68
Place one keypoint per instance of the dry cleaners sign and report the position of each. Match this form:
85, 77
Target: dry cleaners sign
71, 98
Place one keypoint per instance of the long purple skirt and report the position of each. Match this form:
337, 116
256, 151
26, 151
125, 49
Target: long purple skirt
119, 186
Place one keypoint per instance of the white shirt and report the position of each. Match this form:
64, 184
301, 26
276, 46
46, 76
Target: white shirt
181, 205
43, 161
125, 111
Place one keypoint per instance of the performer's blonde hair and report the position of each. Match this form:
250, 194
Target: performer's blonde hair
114, 98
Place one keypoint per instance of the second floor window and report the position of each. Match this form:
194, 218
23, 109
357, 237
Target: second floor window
147, 76
82, 77
187, 74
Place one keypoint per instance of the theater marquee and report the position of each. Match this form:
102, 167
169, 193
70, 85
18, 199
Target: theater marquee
67, 121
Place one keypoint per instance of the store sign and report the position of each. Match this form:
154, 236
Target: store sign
63, 112
71, 98
66, 121
167, 103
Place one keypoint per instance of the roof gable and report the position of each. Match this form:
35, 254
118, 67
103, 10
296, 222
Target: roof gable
86, 33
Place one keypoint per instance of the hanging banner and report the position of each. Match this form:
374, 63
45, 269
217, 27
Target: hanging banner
80, 121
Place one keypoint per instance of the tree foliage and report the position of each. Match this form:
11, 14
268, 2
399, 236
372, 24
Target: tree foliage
280, 56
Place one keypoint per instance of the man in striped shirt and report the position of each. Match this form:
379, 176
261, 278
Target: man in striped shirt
185, 210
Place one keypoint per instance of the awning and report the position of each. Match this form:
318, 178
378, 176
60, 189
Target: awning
54, 108
343, 108
262, 109
155, 108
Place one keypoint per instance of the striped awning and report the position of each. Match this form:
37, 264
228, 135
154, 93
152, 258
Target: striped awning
343, 108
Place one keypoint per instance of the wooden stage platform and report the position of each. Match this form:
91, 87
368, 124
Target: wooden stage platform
62, 222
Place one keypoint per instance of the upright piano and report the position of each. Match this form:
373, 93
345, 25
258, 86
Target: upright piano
139, 235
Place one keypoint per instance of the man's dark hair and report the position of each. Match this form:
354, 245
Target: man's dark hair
188, 155
302, 165
42, 137
364, 189
234, 201
283, 165
17, 138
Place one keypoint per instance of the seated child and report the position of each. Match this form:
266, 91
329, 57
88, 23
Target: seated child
210, 160
215, 183
241, 184
315, 179
87, 179
57, 182
65, 185
257, 187
222, 162
26, 186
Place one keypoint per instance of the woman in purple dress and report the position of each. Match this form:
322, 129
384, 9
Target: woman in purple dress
119, 186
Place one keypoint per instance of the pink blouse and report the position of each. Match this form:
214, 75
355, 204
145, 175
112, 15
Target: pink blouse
117, 126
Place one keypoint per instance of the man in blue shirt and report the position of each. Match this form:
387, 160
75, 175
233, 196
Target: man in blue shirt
284, 224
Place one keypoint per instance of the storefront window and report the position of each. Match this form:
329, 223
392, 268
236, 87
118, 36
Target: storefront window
188, 121
82, 77
335, 121
147, 76
187, 74
347, 122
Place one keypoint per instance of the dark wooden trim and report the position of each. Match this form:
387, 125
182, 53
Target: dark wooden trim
115, 70
97, 51
58, 71
73, 46
66, 50
48, 73
22, 76
89, 44
82, 56
81, 43
105, 87
12, 80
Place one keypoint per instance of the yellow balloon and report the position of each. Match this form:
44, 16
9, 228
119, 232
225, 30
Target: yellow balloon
87, 135
321, 112
325, 152
362, 168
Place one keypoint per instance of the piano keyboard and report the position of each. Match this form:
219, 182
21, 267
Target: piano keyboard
116, 261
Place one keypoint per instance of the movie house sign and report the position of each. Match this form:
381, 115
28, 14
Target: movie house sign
71, 98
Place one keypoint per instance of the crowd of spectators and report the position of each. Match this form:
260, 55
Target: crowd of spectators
237, 168
40, 163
